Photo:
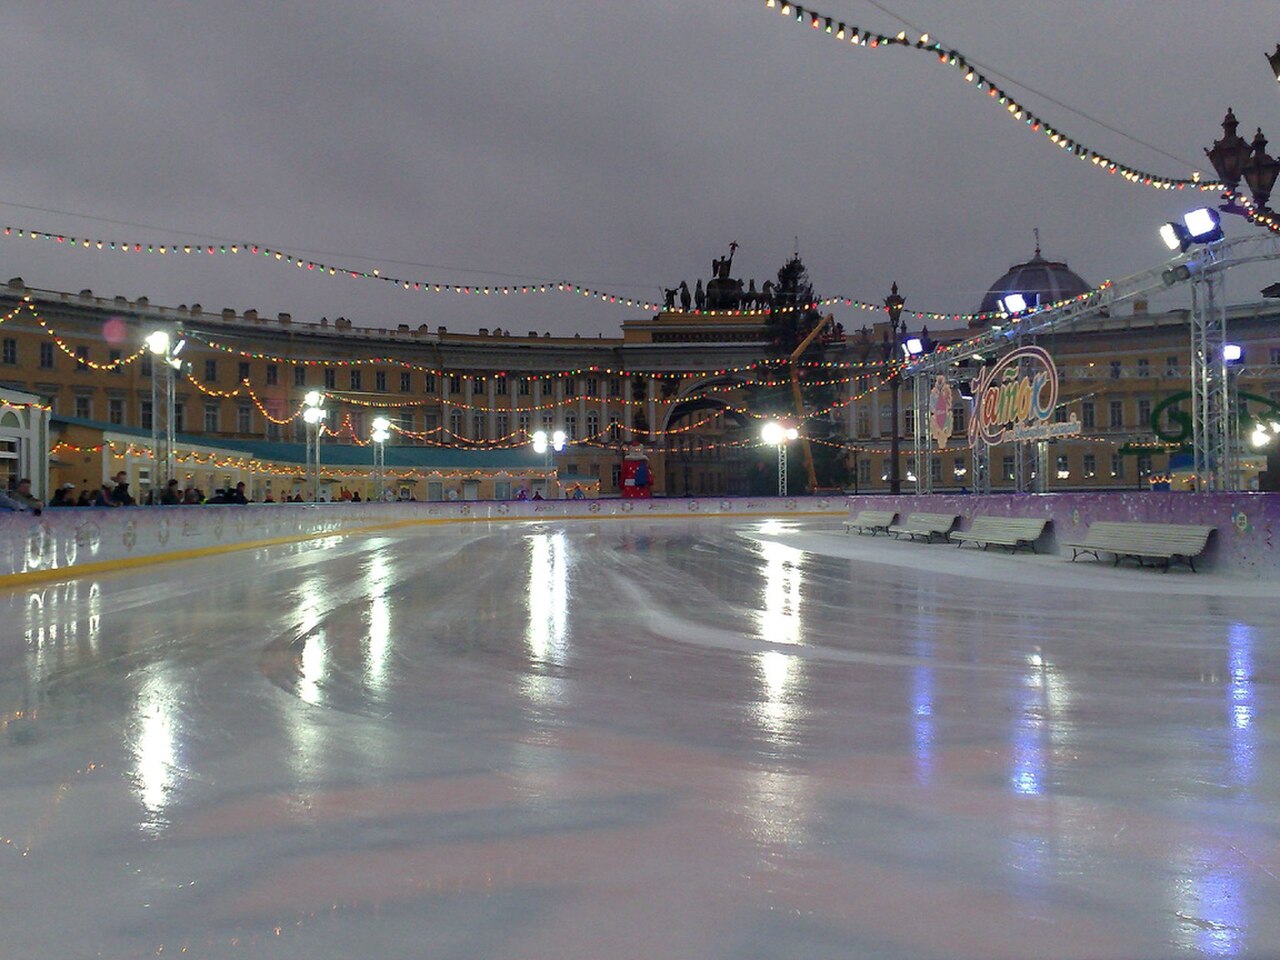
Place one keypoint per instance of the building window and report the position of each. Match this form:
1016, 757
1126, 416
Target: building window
523, 421
210, 418
455, 423
570, 387
179, 417
909, 421
1060, 414
615, 476
1117, 465
84, 408
82, 358
615, 389
242, 371
1008, 468
1144, 367
863, 419
502, 425
430, 423
1116, 414
522, 386
429, 383
355, 379
273, 374
593, 387
1087, 418
380, 381
1115, 369
571, 426
479, 425
406, 381
864, 472
1275, 356
1144, 413
244, 419
593, 424
46, 359
477, 384
330, 378
211, 371
1064, 466
10, 350
455, 383
546, 388
935, 469
144, 414
958, 469
957, 419
1090, 466
615, 428
1170, 366
115, 411
299, 375
113, 356
1145, 468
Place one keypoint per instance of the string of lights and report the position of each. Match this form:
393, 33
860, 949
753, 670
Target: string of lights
853, 35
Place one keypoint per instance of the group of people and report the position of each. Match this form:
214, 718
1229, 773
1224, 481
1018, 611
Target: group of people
20, 498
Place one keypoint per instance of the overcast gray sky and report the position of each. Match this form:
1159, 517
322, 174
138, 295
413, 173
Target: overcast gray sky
620, 144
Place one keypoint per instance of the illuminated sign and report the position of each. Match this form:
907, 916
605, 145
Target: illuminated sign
1015, 399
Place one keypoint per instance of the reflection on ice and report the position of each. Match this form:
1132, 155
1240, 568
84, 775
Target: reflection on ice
780, 611
379, 648
154, 743
1240, 701
548, 598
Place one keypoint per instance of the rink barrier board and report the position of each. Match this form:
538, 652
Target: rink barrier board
1246, 541
67, 543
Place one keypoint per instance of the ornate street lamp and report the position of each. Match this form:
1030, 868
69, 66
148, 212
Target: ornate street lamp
314, 416
894, 304
1260, 171
380, 434
1234, 158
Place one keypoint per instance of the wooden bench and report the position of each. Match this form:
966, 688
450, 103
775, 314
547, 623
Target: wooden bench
1169, 542
1011, 532
873, 520
927, 525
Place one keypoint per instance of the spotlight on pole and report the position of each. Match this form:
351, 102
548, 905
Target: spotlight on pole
1232, 354
773, 433
558, 439
158, 341
1013, 303
1203, 225
1175, 236
913, 346
540, 441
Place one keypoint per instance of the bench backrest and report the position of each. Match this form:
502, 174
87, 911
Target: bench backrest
1191, 537
941, 522
874, 518
1025, 528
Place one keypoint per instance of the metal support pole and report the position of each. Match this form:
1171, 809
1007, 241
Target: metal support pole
920, 439
163, 411
782, 469
1210, 402
379, 469
895, 475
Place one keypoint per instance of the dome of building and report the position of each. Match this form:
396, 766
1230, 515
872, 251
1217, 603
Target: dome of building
1038, 281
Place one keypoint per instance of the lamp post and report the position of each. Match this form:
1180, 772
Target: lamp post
164, 348
1234, 158
545, 444
776, 434
894, 304
380, 435
313, 415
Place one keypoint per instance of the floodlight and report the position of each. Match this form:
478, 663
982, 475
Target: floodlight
773, 433
792, 433
175, 363
1232, 353
1260, 437
1203, 225
312, 415
178, 347
381, 424
1013, 303
158, 341
314, 398
540, 441
380, 436
558, 439
913, 347
1174, 236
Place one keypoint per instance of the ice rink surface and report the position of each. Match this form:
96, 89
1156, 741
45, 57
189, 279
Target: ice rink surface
665, 740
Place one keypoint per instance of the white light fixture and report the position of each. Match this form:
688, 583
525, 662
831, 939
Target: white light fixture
313, 415
380, 436
158, 341
1013, 303
558, 439
913, 346
1260, 437
1203, 224
179, 346
1232, 353
792, 433
1173, 235
540, 441
314, 398
773, 433
381, 424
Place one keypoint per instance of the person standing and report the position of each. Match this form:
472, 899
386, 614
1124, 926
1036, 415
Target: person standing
62, 496
121, 494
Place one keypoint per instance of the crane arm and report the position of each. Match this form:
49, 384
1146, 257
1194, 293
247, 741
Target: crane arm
798, 398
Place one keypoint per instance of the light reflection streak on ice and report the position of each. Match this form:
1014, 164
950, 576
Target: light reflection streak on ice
379, 647
548, 598
922, 722
154, 745
1029, 734
1240, 701
1211, 919
779, 617
313, 661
